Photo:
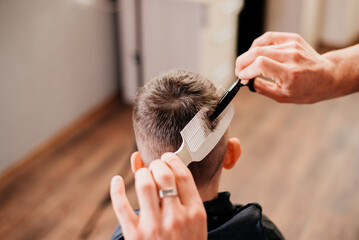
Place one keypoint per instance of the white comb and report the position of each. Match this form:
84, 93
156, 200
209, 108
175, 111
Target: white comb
198, 140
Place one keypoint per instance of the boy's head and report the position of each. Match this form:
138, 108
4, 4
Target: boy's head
164, 106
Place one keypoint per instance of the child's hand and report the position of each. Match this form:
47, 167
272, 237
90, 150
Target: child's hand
180, 216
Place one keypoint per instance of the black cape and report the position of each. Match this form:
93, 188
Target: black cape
228, 221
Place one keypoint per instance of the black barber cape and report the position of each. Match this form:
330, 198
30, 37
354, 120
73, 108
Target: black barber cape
228, 221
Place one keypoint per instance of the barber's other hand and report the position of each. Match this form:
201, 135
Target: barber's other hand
301, 75
176, 217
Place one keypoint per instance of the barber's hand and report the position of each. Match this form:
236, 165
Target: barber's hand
301, 75
172, 217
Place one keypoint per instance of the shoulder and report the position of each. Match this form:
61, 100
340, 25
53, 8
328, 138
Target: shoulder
269, 229
247, 223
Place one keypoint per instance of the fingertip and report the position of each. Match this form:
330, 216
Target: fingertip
116, 179
117, 188
244, 81
241, 75
245, 73
141, 171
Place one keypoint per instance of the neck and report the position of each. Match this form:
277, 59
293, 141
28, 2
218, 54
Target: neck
210, 191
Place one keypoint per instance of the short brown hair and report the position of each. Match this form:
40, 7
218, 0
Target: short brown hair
164, 106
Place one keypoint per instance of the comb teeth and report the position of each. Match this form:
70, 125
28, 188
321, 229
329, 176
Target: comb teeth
199, 140
195, 133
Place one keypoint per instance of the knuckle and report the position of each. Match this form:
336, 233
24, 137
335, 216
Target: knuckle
154, 232
256, 51
260, 61
264, 39
255, 42
120, 206
268, 34
164, 177
297, 45
173, 223
294, 45
197, 214
145, 187
297, 37
183, 176
295, 55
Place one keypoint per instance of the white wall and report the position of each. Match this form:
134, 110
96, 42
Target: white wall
57, 61
332, 22
283, 15
341, 18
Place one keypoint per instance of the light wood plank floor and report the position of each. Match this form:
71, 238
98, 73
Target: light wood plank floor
300, 163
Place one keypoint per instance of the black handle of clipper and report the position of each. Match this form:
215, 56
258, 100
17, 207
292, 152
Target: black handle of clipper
250, 85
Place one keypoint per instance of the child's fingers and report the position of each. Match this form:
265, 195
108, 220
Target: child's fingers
121, 205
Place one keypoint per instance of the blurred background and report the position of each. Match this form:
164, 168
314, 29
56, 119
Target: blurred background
69, 71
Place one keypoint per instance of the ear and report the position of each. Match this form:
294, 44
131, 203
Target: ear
136, 162
233, 152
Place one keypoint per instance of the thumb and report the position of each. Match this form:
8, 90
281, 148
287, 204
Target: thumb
269, 89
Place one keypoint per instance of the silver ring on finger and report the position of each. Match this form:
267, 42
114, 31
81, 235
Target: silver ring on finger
168, 192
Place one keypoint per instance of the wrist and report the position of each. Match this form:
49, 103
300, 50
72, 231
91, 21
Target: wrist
342, 67
332, 61
331, 76
334, 66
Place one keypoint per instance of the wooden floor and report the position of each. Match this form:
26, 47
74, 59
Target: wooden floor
301, 163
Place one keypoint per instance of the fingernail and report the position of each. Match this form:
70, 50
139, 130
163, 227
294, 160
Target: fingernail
115, 180
168, 156
240, 74
236, 72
